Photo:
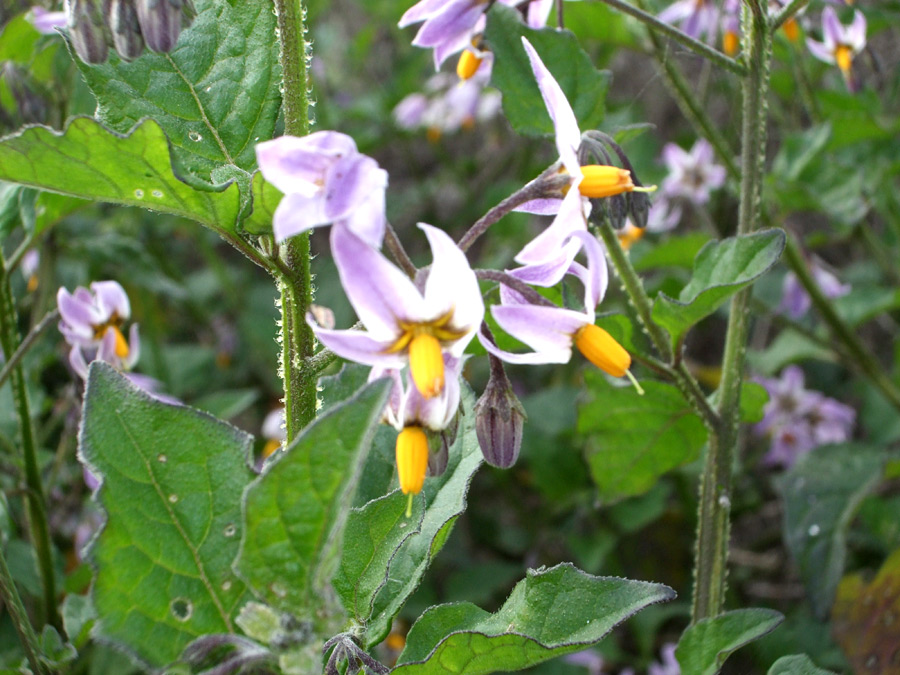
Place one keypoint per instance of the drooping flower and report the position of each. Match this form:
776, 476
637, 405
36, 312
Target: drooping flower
698, 19
797, 420
403, 323
448, 104
692, 175
840, 44
273, 432
46, 22
91, 322
791, 27
731, 26
30, 263
552, 331
324, 180
795, 301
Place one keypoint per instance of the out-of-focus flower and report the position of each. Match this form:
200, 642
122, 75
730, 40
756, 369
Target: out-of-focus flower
840, 44
731, 26
274, 432
663, 216
46, 22
698, 19
692, 175
589, 659
552, 331
324, 180
791, 27
669, 665
798, 420
91, 322
30, 263
795, 301
403, 324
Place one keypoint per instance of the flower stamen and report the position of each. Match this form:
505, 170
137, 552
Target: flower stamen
426, 363
601, 349
412, 460
843, 56
468, 64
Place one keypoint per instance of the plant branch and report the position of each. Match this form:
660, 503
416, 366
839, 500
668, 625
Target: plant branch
26, 344
398, 253
27, 637
517, 285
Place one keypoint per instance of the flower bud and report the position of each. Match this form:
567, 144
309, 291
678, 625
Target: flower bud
499, 417
160, 22
87, 30
126, 31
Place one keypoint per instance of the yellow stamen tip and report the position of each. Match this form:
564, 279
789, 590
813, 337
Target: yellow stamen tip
791, 29
468, 64
604, 181
426, 363
270, 448
121, 347
32, 283
730, 43
412, 461
843, 56
601, 349
630, 236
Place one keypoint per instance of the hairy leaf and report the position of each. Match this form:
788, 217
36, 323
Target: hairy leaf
705, 646
797, 664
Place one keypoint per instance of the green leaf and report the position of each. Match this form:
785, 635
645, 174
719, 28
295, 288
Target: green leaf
753, 402
705, 646
172, 478
798, 150
215, 95
584, 86
548, 614
632, 440
265, 200
88, 161
676, 251
227, 404
798, 664
822, 494
295, 512
720, 270
444, 498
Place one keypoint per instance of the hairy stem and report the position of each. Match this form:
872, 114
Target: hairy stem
36, 505
713, 523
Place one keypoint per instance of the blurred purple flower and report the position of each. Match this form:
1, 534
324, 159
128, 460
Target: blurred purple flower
698, 19
324, 180
798, 420
795, 301
840, 44
692, 175
46, 22
669, 665
589, 659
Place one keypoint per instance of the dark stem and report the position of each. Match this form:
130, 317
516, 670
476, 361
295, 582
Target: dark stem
517, 285
398, 253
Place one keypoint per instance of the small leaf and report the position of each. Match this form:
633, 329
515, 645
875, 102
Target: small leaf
90, 162
798, 664
632, 440
215, 95
753, 402
171, 484
584, 86
721, 269
295, 512
822, 494
705, 646
550, 613
266, 198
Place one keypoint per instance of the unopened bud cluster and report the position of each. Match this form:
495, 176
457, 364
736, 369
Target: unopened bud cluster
126, 25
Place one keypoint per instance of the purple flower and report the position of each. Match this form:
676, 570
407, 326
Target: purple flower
840, 43
403, 323
324, 180
795, 301
406, 405
46, 22
692, 175
798, 420
589, 659
697, 18
669, 665
91, 322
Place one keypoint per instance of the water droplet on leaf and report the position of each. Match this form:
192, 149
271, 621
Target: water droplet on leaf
194, 136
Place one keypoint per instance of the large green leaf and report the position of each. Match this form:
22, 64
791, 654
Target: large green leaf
87, 160
822, 494
295, 512
632, 440
550, 613
172, 478
705, 646
721, 269
584, 86
215, 95
797, 664
444, 498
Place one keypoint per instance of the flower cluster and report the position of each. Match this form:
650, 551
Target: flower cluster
795, 301
448, 104
797, 420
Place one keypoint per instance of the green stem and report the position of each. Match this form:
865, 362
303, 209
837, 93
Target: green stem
13, 361
19, 617
699, 48
36, 509
860, 357
295, 283
713, 523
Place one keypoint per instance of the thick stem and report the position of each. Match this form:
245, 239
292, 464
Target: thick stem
36, 509
19, 617
293, 56
713, 524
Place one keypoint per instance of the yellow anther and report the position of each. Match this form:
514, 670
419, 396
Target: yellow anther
121, 347
630, 236
270, 448
412, 459
604, 181
426, 363
601, 349
730, 43
32, 283
791, 29
433, 134
468, 64
843, 56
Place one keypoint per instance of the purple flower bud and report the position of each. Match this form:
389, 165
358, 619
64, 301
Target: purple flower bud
126, 31
87, 30
160, 22
499, 417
